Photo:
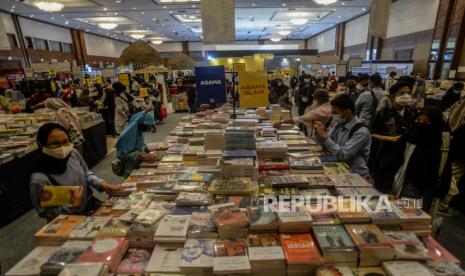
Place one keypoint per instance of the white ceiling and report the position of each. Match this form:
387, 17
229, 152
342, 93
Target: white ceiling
255, 19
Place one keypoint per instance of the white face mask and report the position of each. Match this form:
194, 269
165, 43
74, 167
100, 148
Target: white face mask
304, 99
58, 153
404, 100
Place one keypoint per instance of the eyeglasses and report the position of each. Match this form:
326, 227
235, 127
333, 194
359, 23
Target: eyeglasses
58, 144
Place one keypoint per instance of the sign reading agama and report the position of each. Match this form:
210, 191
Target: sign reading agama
211, 84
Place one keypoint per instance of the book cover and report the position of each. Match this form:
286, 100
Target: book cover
232, 186
198, 199
239, 201
134, 261
258, 218
437, 252
150, 216
406, 268
196, 177
230, 216
165, 259
334, 271
68, 253
131, 215
53, 196
30, 264
300, 249
407, 245
231, 257
317, 181
445, 268
88, 228
368, 236
201, 223
333, 239
288, 181
197, 253
263, 247
107, 250
294, 217
114, 228
273, 164
59, 227
173, 226
91, 269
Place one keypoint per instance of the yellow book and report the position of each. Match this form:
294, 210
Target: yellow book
57, 195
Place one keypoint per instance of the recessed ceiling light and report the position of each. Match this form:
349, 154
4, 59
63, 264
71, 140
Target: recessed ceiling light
164, 7
62, 15
194, 6
275, 39
12, 10
107, 33
284, 33
105, 8
364, 9
298, 21
343, 3
67, 22
284, 4
52, 18
119, 1
87, 30
48, 6
13, 6
31, 16
134, 8
138, 36
171, 12
116, 13
107, 26
142, 13
338, 16
253, 4
154, 19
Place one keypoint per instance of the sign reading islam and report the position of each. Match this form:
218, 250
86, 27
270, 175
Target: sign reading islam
253, 89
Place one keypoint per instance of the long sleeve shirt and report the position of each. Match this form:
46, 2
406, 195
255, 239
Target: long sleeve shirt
355, 150
320, 113
77, 174
364, 106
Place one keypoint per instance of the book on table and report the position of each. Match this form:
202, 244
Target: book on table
231, 257
107, 250
31, 263
336, 244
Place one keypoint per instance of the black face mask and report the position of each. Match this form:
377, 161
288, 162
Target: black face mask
144, 127
424, 134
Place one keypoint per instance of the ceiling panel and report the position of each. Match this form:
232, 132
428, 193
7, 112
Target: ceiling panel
181, 21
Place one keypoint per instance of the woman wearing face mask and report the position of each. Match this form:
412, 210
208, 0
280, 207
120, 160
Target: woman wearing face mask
60, 164
319, 111
394, 118
452, 96
130, 147
420, 175
305, 98
283, 93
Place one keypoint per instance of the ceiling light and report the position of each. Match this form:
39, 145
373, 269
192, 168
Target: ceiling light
325, 2
284, 4
364, 9
142, 13
31, 16
138, 36
108, 26
49, 6
52, 18
67, 22
298, 21
116, 13
284, 33
105, 9
157, 42
275, 39
253, 4
119, 1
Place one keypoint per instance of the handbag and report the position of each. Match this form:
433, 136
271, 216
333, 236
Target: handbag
163, 112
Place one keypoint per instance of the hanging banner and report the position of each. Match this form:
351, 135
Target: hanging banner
124, 79
143, 92
98, 79
211, 84
253, 89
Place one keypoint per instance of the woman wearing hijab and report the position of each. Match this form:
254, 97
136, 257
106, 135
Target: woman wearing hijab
420, 176
67, 118
130, 146
59, 164
452, 96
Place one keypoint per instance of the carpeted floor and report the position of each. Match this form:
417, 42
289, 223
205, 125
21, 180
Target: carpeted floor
17, 238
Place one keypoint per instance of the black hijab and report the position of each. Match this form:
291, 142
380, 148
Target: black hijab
45, 163
425, 161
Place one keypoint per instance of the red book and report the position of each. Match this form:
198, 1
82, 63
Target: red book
107, 250
273, 164
437, 252
300, 249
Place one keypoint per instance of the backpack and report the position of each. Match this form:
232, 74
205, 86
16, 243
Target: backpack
356, 127
132, 108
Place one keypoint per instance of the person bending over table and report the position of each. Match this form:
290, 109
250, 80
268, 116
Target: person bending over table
59, 164
130, 147
350, 140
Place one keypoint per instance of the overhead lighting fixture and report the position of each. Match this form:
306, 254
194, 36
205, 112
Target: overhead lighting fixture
49, 6
108, 26
284, 33
275, 39
298, 21
119, 1
138, 36
325, 2
157, 42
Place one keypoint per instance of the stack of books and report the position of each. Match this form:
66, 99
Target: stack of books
214, 139
95, 269
194, 199
261, 221
202, 225
302, 255
88, 228
165, 259
297, 145
31, 263
231, 258
56, 232
141, 235
373, 245
351, 211
266, 255
336, 245
172, 229
285, 181
240, 138
231, 222
238, 154
236, 186
303, 166
407, 246
197, 257
209, 157
295, 222
68, 253
415, 220
107, 250
271, 149
273, 164
239, 167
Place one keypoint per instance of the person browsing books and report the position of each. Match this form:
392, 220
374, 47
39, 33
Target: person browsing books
350, 140
59, 164
130, 147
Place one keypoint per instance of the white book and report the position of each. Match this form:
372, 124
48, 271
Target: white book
173, 226
406, 268
30, 265
88, 228
165, 259
272, 253
131, 215
295, 217
87, 269
231, 264
197, 253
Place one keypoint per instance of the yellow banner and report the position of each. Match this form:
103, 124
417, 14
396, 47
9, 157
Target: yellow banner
99, 79
253, 89
143, 92
124, 79
239, 67
88, 82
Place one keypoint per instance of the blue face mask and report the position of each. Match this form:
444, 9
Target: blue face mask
338, 119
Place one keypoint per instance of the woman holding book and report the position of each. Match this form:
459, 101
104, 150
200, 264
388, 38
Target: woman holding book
130, 147
59, 164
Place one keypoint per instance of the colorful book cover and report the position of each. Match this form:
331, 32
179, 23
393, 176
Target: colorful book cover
88, 228
300, 249
30, 265
406, 268
230, 217
59, 227
165, 259
259, 218
196, 177
407, 245
53, 196
173, 225
333, 239
201, 223
264, 247
104, 250
437, 252
197, 253
368, 236
273, 164
134, 261
68, 253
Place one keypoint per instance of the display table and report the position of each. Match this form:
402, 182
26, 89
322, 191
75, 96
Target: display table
15, 197
94, 147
